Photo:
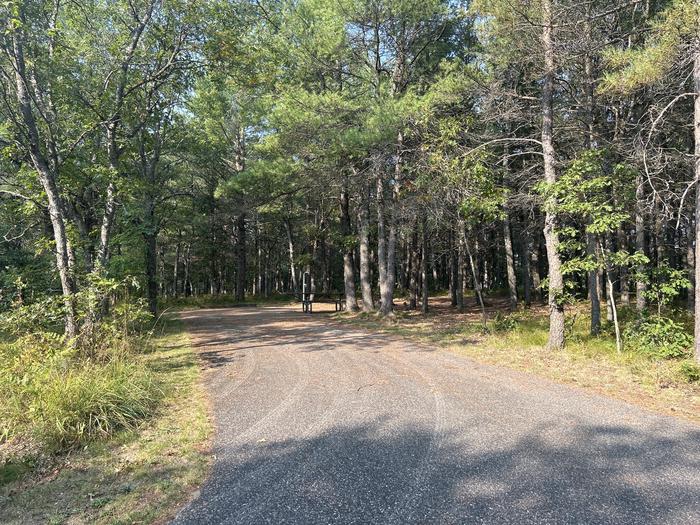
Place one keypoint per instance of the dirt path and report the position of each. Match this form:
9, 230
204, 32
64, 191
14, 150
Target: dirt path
320, 423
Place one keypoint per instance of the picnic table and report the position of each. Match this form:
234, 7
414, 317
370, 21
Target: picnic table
308, 300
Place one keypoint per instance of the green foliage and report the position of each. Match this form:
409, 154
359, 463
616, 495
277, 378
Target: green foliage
561, 298
658, 337
99, 335
504, 323
593, 191
42, 316
666, 39
60, 406
61, 393
665, 284
690, 371
59, 400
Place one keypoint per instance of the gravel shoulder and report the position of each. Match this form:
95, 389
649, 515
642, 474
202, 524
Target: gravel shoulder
322, 423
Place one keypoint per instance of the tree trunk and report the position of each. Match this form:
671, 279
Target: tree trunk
241, 278
611, 298
348, 248
623, 245
150, 235
556, 280
659, 236
593, 289
292, 268
641, 284
690, 262
48, 181
414, 275
535, 266
453, 268
151, 267
460, 264
365, 277
176, 269
526, 247
477, 281
388, 297
382, 258
187, 281
696, 126
106, 228
602, 284
424, 267
510, 265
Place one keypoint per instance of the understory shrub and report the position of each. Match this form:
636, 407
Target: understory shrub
658, 337
59, 401
689, 371
504, 323
59, 393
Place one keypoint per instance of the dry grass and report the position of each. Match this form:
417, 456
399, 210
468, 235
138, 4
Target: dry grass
140, 476
587, 362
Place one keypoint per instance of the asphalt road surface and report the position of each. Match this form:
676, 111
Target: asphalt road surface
320, 423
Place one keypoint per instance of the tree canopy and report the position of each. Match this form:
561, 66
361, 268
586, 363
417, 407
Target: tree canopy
385, 147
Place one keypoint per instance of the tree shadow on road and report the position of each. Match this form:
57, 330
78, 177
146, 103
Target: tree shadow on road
364, 474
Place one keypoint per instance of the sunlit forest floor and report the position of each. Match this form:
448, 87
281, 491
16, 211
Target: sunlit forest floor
518, 341
137, 476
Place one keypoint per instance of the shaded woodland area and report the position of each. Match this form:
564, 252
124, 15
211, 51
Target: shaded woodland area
165, 149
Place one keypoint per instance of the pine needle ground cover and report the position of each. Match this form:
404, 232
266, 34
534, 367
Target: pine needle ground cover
518, 341
141, 473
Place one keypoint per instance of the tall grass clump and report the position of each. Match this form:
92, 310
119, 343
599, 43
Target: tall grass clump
58, 393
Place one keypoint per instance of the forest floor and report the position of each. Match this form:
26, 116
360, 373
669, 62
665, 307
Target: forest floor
322, 422
139, 476
588, 362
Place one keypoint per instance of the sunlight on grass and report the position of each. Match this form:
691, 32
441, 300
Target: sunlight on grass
138, 476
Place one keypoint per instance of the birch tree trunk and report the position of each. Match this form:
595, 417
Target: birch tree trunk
611, 297
112, 125
477, 280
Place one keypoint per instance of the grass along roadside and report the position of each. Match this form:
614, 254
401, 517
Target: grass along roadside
588, 362
140, 475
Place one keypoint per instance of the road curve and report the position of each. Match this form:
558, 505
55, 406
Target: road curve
322, 423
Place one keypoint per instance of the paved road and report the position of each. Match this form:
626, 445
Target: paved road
321, 423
